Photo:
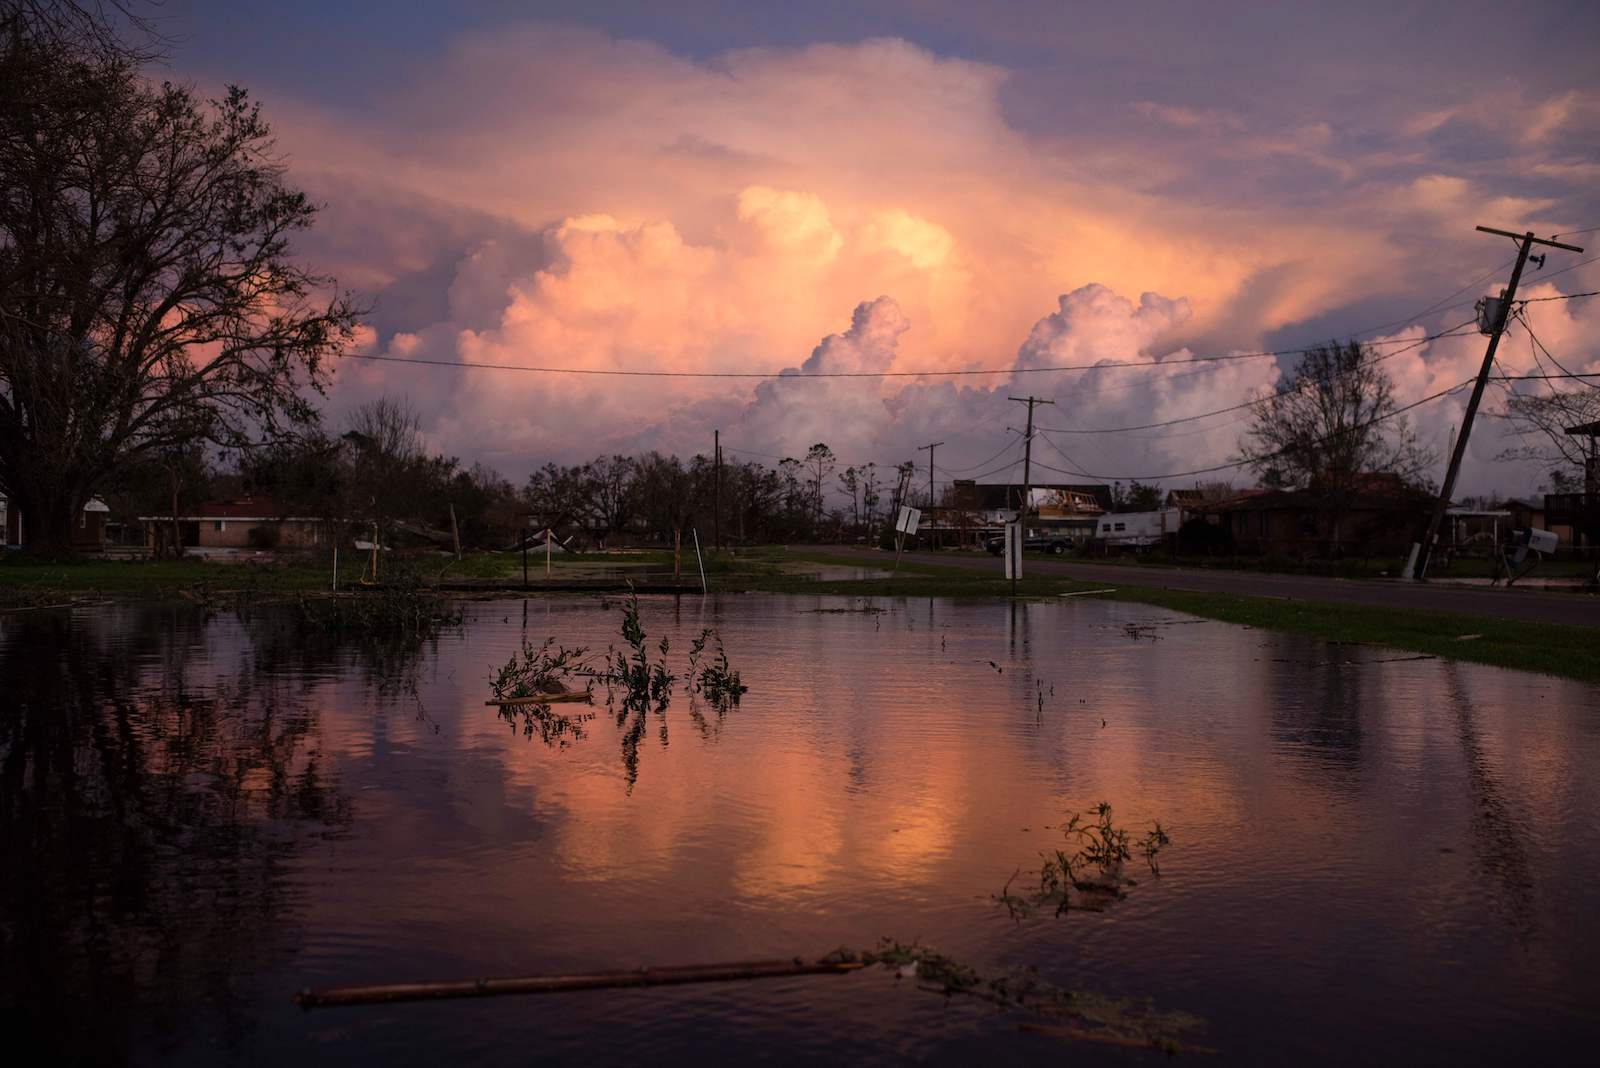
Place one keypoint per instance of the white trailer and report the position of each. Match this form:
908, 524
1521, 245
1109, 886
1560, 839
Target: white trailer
1138, 528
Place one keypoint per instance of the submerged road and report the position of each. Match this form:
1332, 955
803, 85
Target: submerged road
1536, 606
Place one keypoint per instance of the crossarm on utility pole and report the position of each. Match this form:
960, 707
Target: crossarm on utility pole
1027, 480
1525, 242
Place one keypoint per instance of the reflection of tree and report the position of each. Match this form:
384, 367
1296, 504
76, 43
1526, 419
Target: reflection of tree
1494, 830
156, 809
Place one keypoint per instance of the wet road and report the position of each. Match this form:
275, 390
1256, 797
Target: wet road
1548, 606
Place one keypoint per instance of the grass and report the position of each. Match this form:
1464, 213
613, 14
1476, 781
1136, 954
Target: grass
1348, 567
1566, 651
1550, 648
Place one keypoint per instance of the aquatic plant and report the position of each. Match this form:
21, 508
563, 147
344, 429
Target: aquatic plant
533, 672
1093, 1017
403, 607
1091, 865
551, 727
715, 679
644, 682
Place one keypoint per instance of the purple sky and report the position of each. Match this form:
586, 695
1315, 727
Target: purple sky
740, 187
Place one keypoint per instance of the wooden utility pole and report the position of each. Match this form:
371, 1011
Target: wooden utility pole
716, 496
1027, 476
930, 449
1417, 565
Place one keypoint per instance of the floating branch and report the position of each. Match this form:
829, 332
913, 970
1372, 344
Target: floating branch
385, 993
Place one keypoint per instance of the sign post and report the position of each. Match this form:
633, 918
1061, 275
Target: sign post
1014, 552
904, 524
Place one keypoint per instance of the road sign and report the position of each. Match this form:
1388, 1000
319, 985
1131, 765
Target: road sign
906, 522
1013, 550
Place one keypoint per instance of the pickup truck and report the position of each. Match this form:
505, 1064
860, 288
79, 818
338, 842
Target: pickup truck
1047, 544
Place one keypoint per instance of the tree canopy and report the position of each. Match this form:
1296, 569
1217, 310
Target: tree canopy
148, 297
1335, 421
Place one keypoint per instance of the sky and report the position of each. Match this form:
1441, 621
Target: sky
749, 188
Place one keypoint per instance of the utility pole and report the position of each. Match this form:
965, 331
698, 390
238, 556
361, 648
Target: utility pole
1027, 476
1417, 565
930, 449
716, 497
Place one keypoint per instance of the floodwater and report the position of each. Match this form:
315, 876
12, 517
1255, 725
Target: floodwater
1374, 857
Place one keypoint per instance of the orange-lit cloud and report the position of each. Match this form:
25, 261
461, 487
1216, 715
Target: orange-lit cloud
580, 201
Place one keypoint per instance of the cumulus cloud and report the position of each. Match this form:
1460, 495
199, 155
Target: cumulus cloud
553, 196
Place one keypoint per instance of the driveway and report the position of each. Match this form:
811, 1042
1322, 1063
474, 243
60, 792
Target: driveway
1538, 606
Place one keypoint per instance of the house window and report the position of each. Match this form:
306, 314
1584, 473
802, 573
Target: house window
218, 524
1122, 526
83, 520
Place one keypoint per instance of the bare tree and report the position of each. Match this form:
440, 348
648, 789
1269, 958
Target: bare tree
850, 482
147, 294
1333, 424
1541, 421
390, 471
820, 460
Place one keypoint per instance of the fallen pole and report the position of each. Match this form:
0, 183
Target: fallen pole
386, 993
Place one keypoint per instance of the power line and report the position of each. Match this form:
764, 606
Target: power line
1451, 332
1265, 456
1585, 375
1562, 296
1564, 270
1009, 445
1535, 339
1570, 233
781, 376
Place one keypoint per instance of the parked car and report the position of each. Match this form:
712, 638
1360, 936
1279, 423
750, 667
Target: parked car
1048, 544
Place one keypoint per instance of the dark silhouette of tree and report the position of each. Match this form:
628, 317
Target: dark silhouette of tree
148, 298
1541, 421
1334, 423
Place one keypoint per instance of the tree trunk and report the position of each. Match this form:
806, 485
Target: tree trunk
48, 516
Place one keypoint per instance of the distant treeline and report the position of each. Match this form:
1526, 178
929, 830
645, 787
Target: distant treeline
378, 472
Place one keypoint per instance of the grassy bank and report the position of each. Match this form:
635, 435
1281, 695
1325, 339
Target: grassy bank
1554, 649
1572, 652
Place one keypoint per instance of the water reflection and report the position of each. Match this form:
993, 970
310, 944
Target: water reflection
1498, 836
201, 815
150, 800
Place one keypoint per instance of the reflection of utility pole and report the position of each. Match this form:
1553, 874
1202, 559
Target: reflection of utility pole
1027, 478
1417, 565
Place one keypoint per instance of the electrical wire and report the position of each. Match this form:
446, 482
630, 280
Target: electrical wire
982, 463
781, 376
1454, 331
1267, 456
1563, 296
1523, 318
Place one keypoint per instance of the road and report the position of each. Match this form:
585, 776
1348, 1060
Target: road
1538, 606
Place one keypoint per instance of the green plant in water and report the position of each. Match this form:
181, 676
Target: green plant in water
403, 607
551, 727
715, 678
644, 682
1090, 1016
1091, 865
545, 670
